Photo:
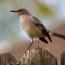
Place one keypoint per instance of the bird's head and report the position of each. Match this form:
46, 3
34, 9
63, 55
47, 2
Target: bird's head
21, 11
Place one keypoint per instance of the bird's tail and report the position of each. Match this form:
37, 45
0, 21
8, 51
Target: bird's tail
57, 35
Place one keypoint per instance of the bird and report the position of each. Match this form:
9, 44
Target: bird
34, 28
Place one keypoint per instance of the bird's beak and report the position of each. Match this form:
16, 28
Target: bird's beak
13, 11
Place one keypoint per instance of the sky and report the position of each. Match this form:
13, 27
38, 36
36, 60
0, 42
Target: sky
10, 29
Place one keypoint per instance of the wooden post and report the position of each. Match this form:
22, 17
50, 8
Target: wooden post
39, 56
8, 59
63, 58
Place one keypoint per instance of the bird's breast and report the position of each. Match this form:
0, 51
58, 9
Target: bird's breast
29, 27
25, 22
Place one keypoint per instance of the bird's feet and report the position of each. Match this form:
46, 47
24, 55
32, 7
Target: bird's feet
29, 45
38, 44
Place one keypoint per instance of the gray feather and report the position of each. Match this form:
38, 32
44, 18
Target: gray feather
58, 35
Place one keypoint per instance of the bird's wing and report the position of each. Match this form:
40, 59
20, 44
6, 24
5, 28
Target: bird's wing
41, 27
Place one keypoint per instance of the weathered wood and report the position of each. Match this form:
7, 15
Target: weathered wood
8, 59
63, 58
38, 57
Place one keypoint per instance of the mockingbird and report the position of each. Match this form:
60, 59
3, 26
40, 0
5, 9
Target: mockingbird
33, 27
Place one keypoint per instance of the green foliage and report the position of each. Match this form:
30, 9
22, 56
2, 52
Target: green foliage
43, 9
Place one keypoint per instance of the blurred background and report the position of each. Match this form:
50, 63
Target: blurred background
12, 36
